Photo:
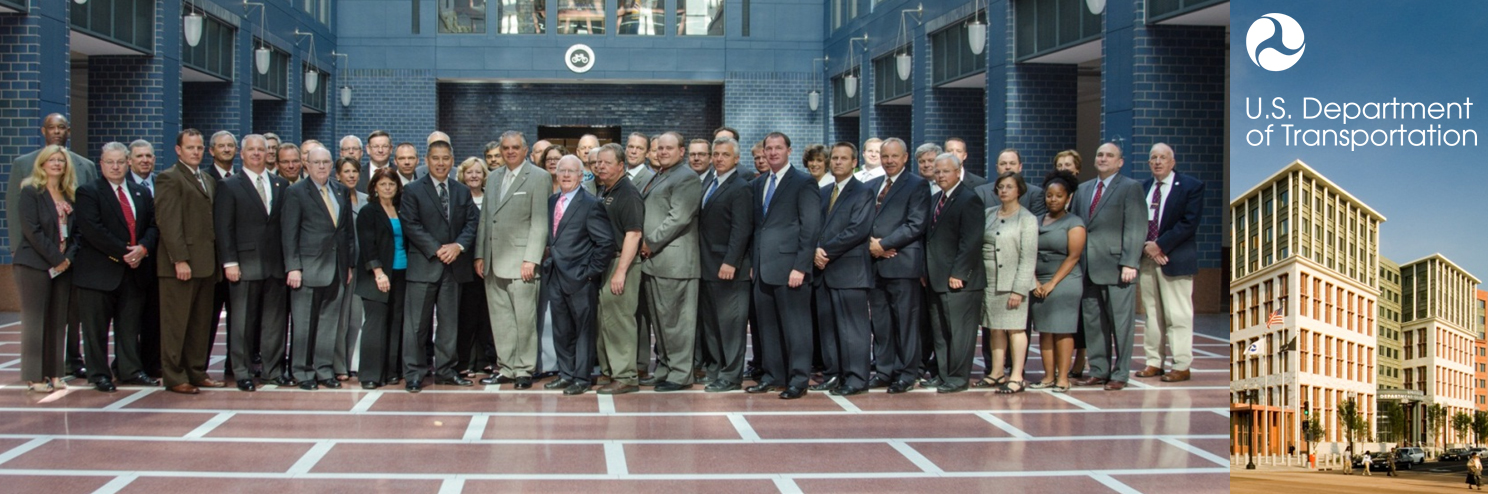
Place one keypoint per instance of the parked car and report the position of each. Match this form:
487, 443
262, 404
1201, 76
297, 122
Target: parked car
1454, 454
1406, 457
1377, 460
1480, 451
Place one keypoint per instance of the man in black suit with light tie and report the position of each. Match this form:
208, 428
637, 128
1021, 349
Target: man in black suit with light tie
580, 246
844, 276
439, 224
248, 209
954, 272
896, 242
116, 226
317, 237
957, 147
787, 220
725, 226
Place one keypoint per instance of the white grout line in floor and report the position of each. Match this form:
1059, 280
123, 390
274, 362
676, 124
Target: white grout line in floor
846, 405
570, 476
201, 431
311, 457
1115, 485
452, 485
24, 448
615, 458
748, 436
606, 404
741, 425
786, 485
476, 430
1071, 400
1006, 427
1196, 451
915, 457
422, 413
365, 404
127, 400
116, 485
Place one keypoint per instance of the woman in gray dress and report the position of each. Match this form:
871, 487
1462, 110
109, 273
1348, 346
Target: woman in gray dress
1056, 300
1009, 249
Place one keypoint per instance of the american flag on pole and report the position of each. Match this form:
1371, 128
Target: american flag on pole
1274, 319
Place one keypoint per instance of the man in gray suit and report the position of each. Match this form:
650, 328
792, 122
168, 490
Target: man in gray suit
317, 238
669, 276
55, 130
1010, 161
844, 276
508, 250
1115, 231
439, 225
247, 214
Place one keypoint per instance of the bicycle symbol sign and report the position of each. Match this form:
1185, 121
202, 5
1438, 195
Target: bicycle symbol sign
579, 59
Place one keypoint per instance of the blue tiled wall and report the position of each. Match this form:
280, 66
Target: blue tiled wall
207, 107
758, 103
1041, 100
892, 121
955, 112
402, 102
20, 113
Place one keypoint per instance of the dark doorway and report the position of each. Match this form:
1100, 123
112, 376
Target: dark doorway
568, 135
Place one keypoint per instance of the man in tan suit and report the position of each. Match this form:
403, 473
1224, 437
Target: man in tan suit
669, 243
187, 268
508, 250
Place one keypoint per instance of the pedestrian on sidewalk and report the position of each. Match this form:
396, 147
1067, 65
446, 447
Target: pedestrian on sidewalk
1475, 472
1367, 462
1390, 460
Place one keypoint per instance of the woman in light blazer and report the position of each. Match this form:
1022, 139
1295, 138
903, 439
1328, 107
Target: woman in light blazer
41, 263
1009, 251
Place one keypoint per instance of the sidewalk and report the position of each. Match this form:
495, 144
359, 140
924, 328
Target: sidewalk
1283, 479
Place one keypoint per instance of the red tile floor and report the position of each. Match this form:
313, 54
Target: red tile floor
1153, 437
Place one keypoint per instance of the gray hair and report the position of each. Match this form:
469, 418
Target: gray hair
895, 140
254, 137
141, 143
490, 146
117, 147
929, 147
270, 136
727, 141
514, 134
221, 133
572, 160
613, 148
352, 137
949, 157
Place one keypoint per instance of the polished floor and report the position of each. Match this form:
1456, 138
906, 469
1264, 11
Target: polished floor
1153, 437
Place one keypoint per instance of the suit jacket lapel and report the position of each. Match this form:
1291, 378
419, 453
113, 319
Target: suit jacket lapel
516, 184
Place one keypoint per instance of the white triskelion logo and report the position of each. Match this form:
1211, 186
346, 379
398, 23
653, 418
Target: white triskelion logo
1277, 55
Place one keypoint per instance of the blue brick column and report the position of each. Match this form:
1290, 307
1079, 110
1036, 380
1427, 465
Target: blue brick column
758, 103
1166, 84
402, 102
866, 97
282, 117
1041, 114
213, 106
139, 97
942, 113
879, 120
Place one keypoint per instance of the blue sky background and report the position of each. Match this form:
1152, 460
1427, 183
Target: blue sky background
1433, 198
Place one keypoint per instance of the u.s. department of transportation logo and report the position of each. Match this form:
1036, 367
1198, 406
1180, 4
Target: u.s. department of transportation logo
1277, 55
580, 58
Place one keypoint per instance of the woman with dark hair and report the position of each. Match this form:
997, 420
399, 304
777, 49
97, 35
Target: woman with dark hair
1069, 161
348, 172
383, 259
1009, 251
1056, 300
816, 163
550, 158
41, 263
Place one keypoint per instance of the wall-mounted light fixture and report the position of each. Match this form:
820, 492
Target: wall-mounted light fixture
261, 55
192, 26
345, 89
813, 98
903, 62
312, 76
850, 81
976, 32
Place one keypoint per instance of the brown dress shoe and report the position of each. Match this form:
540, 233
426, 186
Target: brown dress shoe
618, 388
1115, 385
1091, 381
1176, 376
209, 383
603, 380
183, 388
1150, 371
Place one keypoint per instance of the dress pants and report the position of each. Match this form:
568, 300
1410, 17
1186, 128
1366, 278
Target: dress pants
785, 333
220, 301
895, 307
149, 337
419, 313
258, 313
513, 305
185, 326
824, 334
1168, 303
44, 303
1110, 316
74, 333
953, 320
382, 333
124, 308
573, 330
474, 334
617, 326
928, 360
644, 324
349, 330
723, 313
316, 313
674, 311
846, 334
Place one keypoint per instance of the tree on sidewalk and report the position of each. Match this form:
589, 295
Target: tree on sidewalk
1462, 423
1394, 422
1436, 423
1353, 423
1480, 426
1312, 432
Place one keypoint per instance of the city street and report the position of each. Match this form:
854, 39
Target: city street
1268, 481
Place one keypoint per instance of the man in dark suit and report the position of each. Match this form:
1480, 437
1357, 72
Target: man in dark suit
844, 276
187, 266
1169, 264
379, 156
316, 237
1010, 161
439, 224
954, 272
580, 246
224, 149
670, 272
116, 226
787, 221
896, 242
247, 210
1115, 230
726, 224
957, 147
142, 173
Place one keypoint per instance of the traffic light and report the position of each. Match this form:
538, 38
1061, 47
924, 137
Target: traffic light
1306, 410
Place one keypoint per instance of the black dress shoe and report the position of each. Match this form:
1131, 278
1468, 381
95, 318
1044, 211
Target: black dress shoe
331, 383
455, 380
558, 384
524, 383
308, 385
721, 386
282, 381
652, 381
667, 386
878, 382
848, 391
246, 385
105, 385
497, 379
576, 389
414, 387
827, 385
142, 379
946, 388
933, 382
763, 388
792, 393
900, 387
80, 373
370, 384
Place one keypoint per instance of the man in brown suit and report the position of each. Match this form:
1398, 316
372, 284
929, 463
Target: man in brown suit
187, 268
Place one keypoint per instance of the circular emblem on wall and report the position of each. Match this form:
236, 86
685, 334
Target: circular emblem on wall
580, 58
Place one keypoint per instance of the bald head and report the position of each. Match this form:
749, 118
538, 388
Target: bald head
55, 130
1160, 160
570, 173
1108, 160
438, 136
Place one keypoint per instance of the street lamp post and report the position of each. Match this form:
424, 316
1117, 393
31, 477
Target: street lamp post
1250, 435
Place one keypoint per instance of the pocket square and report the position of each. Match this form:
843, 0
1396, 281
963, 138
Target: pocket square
519, 194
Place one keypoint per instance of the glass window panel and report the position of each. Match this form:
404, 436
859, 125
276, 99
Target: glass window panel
700, 18
581, 17
462, 16
523, 16
641, 17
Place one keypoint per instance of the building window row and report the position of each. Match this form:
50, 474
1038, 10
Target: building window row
632, 17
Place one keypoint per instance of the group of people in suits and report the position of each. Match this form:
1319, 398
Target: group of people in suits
872, 278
